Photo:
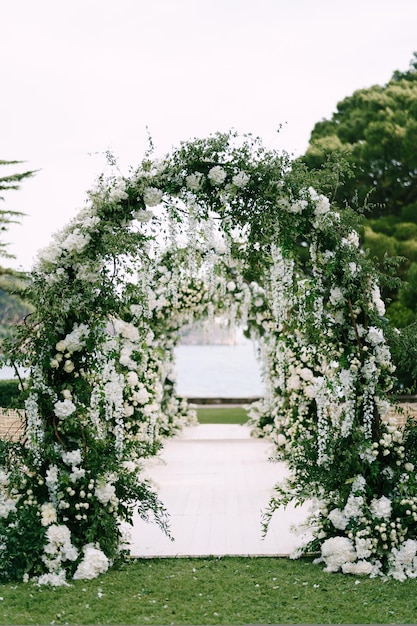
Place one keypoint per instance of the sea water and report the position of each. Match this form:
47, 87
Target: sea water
209, 371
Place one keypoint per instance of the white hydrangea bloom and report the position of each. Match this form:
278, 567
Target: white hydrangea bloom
72, 458
360, 568
76, 241
58, 535
64, 409
94, 563
152, 196
375, 336
338, 519
217, 175
105, 492
240, 180
143, 216
381, 507
118, 191
54, 579
194, 181
403, 561
336, 552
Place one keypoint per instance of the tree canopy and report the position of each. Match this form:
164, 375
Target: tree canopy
12, 308
371, 138
375, 131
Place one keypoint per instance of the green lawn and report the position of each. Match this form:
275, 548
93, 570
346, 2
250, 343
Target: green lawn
223, 415
228, 590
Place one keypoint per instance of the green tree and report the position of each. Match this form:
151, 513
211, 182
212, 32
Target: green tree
375, 131
370, 140
10, 182
12, 283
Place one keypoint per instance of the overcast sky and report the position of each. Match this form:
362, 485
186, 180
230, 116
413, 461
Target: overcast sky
79, 77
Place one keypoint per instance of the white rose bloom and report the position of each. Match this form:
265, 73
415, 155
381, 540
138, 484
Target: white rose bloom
91, 221
305, 373
7, 506
353, 268
293, 382
128, 410
76, 474
50, 254
118, 192
64, 409
52, 476
240, 180
194, 181
142, 396
217, 175
152, 196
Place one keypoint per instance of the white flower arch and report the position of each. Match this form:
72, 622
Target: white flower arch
94, 397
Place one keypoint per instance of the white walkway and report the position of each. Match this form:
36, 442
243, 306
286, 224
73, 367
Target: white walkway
215, 481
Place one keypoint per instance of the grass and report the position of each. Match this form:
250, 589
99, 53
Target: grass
223, 415
227, 590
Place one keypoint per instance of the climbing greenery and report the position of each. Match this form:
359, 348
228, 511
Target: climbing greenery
220, 226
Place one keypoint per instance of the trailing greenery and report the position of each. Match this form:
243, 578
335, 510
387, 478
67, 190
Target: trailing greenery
229, 590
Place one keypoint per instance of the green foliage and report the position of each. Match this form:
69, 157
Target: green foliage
374, 129
10, 394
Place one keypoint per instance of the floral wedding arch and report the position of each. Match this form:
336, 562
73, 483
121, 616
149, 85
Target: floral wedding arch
94, 346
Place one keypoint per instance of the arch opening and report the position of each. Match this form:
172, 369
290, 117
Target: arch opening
110, 300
